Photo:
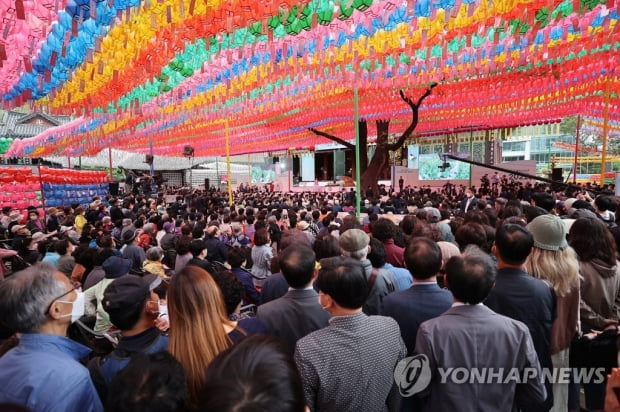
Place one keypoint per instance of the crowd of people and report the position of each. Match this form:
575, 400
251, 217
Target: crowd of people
287, 301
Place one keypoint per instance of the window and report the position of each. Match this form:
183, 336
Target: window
514, 146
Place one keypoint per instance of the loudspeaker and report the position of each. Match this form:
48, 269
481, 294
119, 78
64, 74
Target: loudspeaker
113, 188
276, 159
207, 184
556, 174
148, 159
188, 151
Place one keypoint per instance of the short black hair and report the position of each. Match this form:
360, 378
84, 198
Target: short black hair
61, 246
513, 243
344, 280
532, 212
297, 265
236, 256
470, 276
604, 203
126, 318
256, 374
183, 245
383, 229
232, 290
377, 255
423, 258
149, 383
196, 246
544, 200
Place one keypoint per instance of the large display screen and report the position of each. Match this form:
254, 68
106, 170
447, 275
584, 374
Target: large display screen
429, 168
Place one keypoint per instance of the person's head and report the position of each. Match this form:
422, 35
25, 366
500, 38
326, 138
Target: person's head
342, 284
149, 383
236, 228
213, 229
500, 203
236, 257
448, 250
198, 248
470, 276
297, 265
232, 291
354, 244
513, 244
261, 237
257, 374
115, 267
470, 233
197, 315
423, 258
129, 237
39, 299
469, 192
149, 228
326, 245
182, 247
383, 229
532, 212
168, 227
101, 255
549, 232
130, 299
603, 203
377, 255
155, 253
591, 239
63, 247
543, 200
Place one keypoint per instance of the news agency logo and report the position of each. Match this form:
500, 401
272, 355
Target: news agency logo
413, 374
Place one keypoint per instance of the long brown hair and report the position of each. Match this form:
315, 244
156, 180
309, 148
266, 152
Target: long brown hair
197, 318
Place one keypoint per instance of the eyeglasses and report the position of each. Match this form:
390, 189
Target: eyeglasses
56, 298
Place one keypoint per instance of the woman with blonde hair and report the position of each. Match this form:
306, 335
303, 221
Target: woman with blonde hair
553, 261
199, 325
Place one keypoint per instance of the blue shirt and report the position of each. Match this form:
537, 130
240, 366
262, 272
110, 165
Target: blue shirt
43, 374
401, 275
51, 257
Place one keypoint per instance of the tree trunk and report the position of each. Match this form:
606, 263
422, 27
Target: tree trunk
379, 162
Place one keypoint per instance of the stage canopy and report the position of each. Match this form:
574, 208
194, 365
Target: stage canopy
169, 73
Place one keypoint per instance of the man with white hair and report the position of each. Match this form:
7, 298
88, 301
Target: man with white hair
43, 372
354, 243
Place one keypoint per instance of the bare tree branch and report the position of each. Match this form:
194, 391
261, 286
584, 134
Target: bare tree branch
414, 119
333, 138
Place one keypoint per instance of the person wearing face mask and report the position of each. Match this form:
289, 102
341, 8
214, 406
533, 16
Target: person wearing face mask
134, 308
469, 201
35, 223
43, 372
353, 341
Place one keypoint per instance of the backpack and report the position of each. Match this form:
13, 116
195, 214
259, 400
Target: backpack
239, 240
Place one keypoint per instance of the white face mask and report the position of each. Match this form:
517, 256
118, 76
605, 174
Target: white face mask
33, 218
78, 307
